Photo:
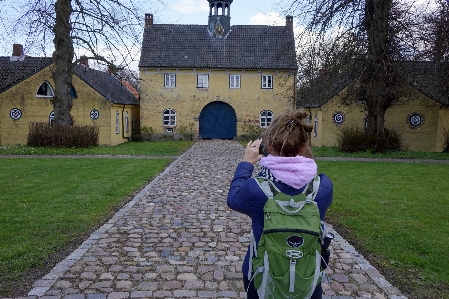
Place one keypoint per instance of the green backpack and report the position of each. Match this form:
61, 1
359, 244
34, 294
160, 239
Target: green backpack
287, 260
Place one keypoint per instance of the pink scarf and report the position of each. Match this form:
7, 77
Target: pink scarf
293, 171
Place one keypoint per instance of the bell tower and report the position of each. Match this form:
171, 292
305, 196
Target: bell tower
219, 18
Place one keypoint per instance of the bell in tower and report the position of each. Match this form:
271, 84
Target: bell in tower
219, 17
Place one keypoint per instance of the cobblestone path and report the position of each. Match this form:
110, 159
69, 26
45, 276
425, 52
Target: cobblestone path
178, 239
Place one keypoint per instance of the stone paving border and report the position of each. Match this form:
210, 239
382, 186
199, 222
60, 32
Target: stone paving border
85, 156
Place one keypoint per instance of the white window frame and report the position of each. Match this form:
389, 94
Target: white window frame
51, 117
171, 114
234, 81
50, 92
266, 117
117, 122
202, 81
170, 80
267, 81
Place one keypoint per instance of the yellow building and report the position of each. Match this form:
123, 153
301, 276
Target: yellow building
421, 114
99, 98
212, 79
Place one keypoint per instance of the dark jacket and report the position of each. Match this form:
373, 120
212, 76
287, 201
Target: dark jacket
245, 196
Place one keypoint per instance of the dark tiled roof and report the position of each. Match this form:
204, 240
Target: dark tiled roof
422, 75
430, 79
325, 88
245, 47
107, 85
14, 72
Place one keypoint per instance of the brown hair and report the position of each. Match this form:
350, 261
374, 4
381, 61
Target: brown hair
287, 134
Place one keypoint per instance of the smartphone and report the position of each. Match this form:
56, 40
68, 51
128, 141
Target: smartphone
262, 149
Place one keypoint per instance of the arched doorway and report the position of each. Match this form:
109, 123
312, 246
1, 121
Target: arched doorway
218, 121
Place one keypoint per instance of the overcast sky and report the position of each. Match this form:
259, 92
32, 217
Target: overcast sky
243, 12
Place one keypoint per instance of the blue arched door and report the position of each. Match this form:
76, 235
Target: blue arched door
218, 121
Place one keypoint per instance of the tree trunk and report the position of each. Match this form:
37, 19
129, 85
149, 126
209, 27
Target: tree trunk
62, 58
376, 80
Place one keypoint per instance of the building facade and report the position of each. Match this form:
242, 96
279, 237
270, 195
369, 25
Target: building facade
216, 78
421, 115
99, 99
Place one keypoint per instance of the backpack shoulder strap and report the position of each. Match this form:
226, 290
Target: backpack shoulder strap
267, 187
270, 189
311, 190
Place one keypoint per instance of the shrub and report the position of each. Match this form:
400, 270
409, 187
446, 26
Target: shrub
146, 133
186, 132
251, 130
137, 137
52, 135
354, 139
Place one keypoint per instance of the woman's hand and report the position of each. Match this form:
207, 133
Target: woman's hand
252, 151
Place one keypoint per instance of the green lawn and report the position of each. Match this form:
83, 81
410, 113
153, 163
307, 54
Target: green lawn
331, 151
395, 214
159, 148
398, 213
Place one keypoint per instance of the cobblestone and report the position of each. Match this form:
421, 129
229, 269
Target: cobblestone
178, 239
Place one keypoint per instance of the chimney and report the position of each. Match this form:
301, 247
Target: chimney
17, 50
148, 20
289, 23
84, 61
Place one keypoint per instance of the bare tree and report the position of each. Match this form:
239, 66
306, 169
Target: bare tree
371, 37
434, 29
434, 38
104, 30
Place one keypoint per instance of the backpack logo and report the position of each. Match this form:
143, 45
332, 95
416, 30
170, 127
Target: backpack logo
295, 241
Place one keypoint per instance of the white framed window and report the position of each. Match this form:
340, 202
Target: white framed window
127, 121
169, 117
117, 122
234, 81
267, 81
170, 80
203, 81
266, 116
45, 90
51, 117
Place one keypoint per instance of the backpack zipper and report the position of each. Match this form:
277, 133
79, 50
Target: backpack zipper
287, 230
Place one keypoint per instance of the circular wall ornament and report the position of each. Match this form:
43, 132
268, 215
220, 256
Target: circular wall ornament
338, 118
94, 114
415, 120
15, 113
